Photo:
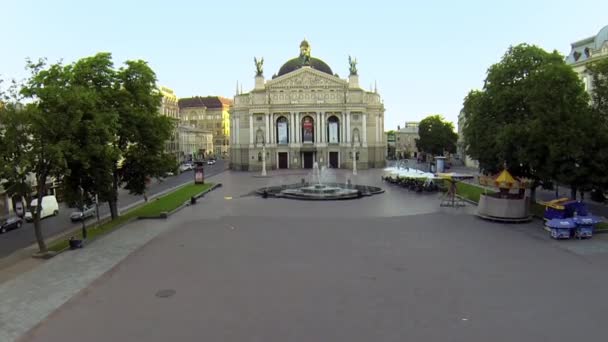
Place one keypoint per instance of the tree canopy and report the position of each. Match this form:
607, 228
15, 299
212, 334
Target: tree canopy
532, 115
437, 136
76, 123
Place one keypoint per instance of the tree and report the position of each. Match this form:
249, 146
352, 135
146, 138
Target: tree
91, 159
599, 91
531, 115
437, 136
141, 132
37, 129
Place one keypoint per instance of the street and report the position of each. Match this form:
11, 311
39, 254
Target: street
19, 238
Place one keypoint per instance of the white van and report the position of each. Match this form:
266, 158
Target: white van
50, 207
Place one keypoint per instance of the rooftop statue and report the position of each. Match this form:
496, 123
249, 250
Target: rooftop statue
353, 65
259, 66
304, 53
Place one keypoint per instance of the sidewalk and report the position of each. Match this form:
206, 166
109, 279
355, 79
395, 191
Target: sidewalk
33, 294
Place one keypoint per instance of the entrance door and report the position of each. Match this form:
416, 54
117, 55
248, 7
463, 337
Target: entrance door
308, 160
282, 160
333, 160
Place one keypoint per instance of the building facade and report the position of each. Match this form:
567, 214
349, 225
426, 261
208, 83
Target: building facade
170, 109
586, 51
210, 113
460, 144
405, 140
307, 114
195, 143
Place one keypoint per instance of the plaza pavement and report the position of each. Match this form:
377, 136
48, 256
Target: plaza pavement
392, 267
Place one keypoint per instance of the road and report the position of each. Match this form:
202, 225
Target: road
19, 238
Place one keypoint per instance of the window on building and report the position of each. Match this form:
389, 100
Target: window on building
282, 131
308, 129
333, 130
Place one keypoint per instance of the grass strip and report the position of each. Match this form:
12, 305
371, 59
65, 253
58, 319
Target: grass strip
155, 207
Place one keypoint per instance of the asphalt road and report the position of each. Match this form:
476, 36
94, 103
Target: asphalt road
19, 238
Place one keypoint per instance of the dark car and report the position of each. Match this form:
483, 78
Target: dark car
9, 224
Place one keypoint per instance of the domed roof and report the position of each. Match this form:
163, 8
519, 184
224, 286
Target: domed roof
304, 60
601, 37
295, 64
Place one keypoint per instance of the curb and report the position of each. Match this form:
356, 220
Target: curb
165, 215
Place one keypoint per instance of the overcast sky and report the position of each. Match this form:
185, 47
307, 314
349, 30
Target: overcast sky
424, 56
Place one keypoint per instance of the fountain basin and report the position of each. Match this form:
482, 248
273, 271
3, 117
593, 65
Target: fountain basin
320, 192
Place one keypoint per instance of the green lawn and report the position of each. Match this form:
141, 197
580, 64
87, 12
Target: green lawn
470, 191
165, 203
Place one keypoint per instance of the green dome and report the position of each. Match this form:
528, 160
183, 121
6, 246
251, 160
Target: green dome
295, 64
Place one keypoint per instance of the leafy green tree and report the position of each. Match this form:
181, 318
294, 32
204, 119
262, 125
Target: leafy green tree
599, 89
141, 133
531, 115
36, 134
437, 136
92, 157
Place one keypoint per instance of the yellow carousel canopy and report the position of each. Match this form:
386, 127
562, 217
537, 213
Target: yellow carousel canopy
504, 180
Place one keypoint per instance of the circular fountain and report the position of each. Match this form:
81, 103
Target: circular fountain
316, 189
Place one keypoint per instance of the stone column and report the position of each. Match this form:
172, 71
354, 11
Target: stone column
364, 123
272, 140
292, 127
377, 129
317, 129
238, 131
323, 128
298, 128
348, 127
342, 128
251, 129
266, 128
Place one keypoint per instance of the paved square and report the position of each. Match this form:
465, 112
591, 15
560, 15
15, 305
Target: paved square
392, 267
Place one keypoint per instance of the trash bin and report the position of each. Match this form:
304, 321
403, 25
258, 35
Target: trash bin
75, 243
192, 200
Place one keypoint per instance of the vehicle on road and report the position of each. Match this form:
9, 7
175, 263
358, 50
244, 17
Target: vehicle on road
10, 224
50, 207
186, 167
86, 213
211, 162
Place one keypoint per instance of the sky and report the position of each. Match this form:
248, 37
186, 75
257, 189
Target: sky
424, 56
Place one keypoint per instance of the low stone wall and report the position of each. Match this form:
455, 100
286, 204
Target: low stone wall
503, 207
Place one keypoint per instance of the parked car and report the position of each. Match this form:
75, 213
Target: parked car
84, 214
211, 162
10, 224
50, 207
186, 167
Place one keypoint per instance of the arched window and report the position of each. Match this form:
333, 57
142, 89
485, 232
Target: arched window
333, 130
282, 131
308, 130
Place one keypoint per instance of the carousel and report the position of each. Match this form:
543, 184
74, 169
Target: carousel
510, 203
